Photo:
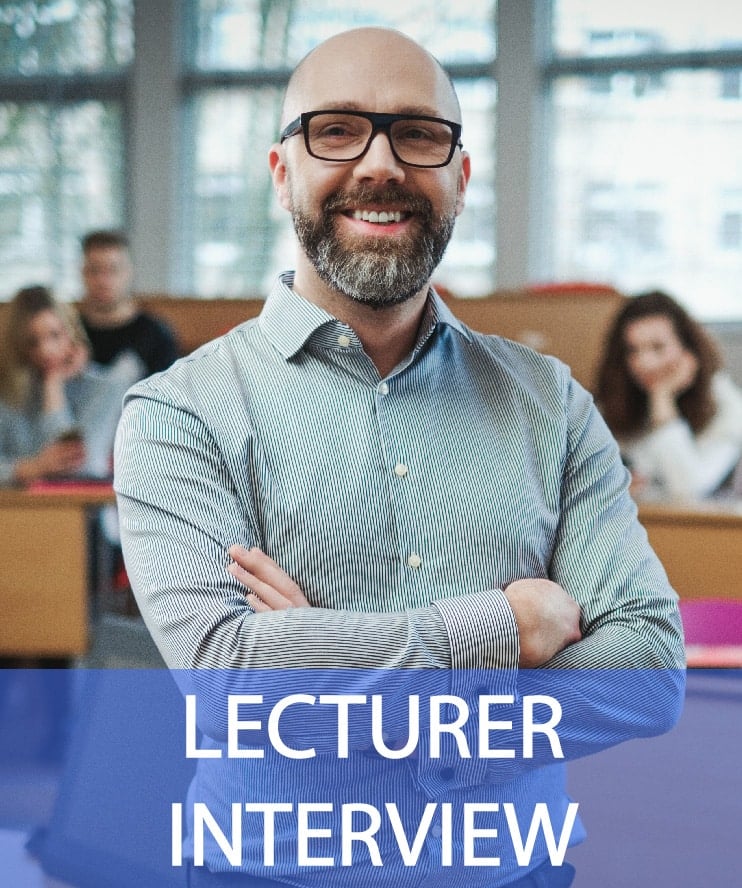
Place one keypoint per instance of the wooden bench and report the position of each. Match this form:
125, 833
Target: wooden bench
568, 322
196, 321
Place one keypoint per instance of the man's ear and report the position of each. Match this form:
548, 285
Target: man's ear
464, 176
279, 174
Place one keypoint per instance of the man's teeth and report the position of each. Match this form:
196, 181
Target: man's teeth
377, 218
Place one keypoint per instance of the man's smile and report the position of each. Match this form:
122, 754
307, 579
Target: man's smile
377, 221
369, 210
382, 217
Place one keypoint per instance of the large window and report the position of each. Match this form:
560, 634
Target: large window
62, 83
240, 55
644, 149
605, 139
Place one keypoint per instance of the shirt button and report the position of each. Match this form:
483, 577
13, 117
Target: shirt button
436, 830
400, 470
448, 773
383, 388
343, 340
414, 561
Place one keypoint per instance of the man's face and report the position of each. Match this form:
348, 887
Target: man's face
106, 274
373, 229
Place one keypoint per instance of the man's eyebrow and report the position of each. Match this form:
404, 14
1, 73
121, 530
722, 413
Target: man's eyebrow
425, 110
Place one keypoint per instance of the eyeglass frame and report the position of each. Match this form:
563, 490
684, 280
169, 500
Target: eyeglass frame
380, 123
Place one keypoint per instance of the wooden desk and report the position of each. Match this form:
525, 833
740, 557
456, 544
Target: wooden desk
45, 564
699, 546
45, 570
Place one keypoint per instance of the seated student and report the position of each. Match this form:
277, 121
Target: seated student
58, 409
111, 318
676, 415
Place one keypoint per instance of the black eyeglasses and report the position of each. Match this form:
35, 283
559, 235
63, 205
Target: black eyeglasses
415, 139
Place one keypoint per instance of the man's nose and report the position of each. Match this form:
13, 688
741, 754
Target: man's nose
379, 162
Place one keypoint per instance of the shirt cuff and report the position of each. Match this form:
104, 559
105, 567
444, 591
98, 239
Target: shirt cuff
482, 631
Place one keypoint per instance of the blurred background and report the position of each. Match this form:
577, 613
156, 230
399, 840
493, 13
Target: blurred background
606, 139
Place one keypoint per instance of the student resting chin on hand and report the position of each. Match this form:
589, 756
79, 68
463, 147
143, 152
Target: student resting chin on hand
676, 415
58, 410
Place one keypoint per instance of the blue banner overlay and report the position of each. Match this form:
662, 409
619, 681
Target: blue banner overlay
353, 778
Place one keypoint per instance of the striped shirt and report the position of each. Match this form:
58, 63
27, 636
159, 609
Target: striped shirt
401, 506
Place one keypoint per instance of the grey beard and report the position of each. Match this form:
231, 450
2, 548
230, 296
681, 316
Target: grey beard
382, 274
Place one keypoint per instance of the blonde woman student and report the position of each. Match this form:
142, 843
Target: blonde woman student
58, 409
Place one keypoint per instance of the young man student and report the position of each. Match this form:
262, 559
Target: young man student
112, 319
355, 479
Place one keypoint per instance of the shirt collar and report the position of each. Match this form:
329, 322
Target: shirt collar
289, 320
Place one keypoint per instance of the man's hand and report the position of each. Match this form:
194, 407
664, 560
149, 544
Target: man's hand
548, 619
269, 587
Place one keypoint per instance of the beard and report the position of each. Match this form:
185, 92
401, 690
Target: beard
381, 271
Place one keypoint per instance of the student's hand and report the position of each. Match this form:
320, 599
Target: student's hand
666, 387
57, 458
74, 362
56, 373
62, 457
639, 485
678, 376
67, 365
269, 587
548, 619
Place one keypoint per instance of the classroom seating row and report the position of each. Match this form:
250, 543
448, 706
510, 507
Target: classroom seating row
568, 321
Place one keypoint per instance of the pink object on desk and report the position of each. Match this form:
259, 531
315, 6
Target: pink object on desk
714, 656
712, 621
713, 632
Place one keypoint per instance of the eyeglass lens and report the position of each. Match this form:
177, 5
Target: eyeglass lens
345, 136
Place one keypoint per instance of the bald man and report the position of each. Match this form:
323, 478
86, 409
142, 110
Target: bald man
356, 479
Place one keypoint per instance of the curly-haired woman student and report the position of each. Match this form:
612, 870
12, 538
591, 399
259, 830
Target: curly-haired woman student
661, 389
58, 410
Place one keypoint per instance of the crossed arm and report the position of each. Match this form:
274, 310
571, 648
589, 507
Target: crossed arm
548, 619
